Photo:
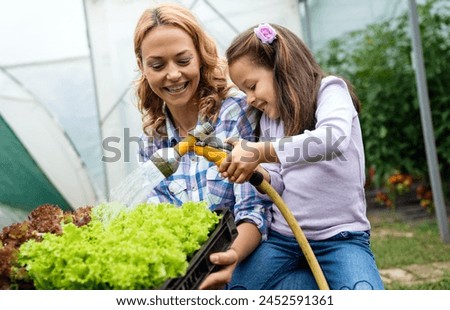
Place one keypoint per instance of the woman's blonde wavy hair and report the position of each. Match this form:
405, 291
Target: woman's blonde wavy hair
213, 86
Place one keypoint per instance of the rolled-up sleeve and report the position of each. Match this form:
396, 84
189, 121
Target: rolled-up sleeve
251, 207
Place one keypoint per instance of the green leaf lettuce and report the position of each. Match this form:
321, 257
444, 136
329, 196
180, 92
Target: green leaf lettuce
121, 248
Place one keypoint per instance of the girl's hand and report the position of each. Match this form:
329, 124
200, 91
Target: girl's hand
245, 158
242, 161
218, 280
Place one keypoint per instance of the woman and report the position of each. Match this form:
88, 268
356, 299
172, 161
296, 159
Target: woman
184, 84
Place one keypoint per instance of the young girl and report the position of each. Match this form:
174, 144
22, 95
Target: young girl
309, 126
182, 85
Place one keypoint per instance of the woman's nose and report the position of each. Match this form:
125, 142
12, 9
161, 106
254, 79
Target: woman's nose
173, 73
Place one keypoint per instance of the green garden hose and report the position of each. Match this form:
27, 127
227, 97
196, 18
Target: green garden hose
258, 181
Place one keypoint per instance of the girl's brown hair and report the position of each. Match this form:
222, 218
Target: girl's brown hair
213, 85
297, 75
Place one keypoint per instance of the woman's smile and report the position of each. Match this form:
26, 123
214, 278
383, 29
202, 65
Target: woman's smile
177, 89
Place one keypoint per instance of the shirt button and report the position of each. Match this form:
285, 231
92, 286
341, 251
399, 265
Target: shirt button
194, 187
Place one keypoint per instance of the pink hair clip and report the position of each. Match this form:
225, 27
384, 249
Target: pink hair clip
265, 33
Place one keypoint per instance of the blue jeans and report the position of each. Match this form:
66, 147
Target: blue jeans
279, 264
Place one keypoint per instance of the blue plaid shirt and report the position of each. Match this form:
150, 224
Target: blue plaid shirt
197, 179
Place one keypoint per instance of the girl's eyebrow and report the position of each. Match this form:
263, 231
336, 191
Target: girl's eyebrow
246, 82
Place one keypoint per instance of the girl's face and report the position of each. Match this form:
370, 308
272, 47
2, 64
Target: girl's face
257, 83
171, 65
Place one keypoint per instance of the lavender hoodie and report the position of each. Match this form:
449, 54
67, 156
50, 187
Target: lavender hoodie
322, 170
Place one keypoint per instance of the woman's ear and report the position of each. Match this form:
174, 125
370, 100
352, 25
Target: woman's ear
139, 62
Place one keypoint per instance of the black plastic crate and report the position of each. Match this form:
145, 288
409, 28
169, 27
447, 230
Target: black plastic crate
200, 266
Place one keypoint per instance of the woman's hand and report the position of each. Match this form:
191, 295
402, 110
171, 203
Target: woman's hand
218, 279
246, 242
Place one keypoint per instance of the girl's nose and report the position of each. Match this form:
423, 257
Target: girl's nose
251, 99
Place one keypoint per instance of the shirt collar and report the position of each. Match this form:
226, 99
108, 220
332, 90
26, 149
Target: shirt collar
172, 134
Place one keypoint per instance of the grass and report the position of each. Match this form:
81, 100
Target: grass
397, 243
443, 284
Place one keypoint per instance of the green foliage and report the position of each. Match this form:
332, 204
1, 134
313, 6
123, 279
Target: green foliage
377, 60
121, 248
